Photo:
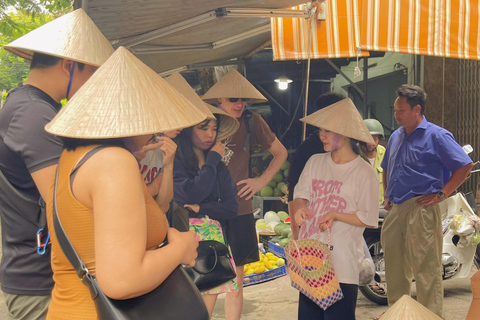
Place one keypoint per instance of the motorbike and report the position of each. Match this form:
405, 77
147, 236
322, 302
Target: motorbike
457, 258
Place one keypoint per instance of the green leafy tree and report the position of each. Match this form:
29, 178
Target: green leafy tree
16, 19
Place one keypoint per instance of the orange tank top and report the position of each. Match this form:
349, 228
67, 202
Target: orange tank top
70, 297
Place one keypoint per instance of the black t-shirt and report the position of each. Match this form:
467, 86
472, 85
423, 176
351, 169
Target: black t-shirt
312, 145
25, 147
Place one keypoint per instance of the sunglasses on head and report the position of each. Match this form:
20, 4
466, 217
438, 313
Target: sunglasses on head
236, 99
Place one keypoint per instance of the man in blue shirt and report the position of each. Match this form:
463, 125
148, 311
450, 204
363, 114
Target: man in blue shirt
423, 165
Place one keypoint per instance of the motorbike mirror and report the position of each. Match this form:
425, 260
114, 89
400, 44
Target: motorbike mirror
467, 148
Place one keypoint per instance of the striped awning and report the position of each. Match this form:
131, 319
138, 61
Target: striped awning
447, 28
336, 36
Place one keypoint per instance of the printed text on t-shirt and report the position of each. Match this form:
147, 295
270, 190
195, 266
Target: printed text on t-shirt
325, 198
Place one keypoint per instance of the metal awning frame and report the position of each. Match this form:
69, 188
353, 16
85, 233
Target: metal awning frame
219, 13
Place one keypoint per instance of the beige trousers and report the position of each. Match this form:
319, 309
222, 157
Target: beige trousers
21, 307
412, 244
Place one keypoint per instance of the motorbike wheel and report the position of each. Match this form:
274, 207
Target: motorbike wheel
376, 293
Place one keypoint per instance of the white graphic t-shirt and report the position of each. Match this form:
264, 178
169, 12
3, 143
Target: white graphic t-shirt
151, 165
349, 188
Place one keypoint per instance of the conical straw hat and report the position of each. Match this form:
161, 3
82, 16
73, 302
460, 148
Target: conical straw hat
181, 85
407, 308
124, 98
233, 85
342, 118
73, 36
228, 124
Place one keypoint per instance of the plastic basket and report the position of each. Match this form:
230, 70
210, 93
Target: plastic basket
264, 276
276, 249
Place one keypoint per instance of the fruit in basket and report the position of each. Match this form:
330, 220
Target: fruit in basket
267, 262
277, 192
281, 186
278, 177
285, 165
283, 243
266, 191
260, 224
271, 226
280, 262
278, 229
249, 272
283, 215
285, 230
260, 269
271, 216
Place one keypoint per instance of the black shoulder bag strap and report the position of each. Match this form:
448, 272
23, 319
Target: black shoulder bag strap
19, 198
63, 239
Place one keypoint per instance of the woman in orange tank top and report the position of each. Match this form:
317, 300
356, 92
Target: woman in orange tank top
105, 208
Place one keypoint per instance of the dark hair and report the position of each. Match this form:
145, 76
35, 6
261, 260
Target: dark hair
185, 148
414, 95
43, 61
326, 99
354, 145
70, 144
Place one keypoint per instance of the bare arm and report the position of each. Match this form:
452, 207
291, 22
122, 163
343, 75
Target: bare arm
253, 185
348, 218
43, 179
292, 208
120, 227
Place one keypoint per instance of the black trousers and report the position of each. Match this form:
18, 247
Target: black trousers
343, 309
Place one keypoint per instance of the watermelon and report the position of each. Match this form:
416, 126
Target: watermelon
283, 215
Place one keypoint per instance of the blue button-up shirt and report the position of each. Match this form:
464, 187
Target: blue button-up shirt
420, 162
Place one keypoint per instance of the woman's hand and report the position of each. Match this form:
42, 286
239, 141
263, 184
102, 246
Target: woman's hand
327, 221
301, 215
250, 187
194, 207
219, 148
169, 148
187, 241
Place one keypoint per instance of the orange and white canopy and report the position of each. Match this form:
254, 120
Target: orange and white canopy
336, 36
448, 28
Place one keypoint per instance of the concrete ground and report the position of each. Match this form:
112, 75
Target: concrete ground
277, 300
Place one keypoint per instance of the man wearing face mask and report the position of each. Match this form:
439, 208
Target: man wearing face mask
64, 54
375, 152
232, 93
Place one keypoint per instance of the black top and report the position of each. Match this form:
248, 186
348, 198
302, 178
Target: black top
25, 147
212, 188
312, 145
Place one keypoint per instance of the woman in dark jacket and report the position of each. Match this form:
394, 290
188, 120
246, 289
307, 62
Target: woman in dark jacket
203, 184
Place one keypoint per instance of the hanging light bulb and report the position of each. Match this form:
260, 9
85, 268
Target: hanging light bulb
283, 82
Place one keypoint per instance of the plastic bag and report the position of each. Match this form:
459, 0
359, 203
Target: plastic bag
464, 223
367, 268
